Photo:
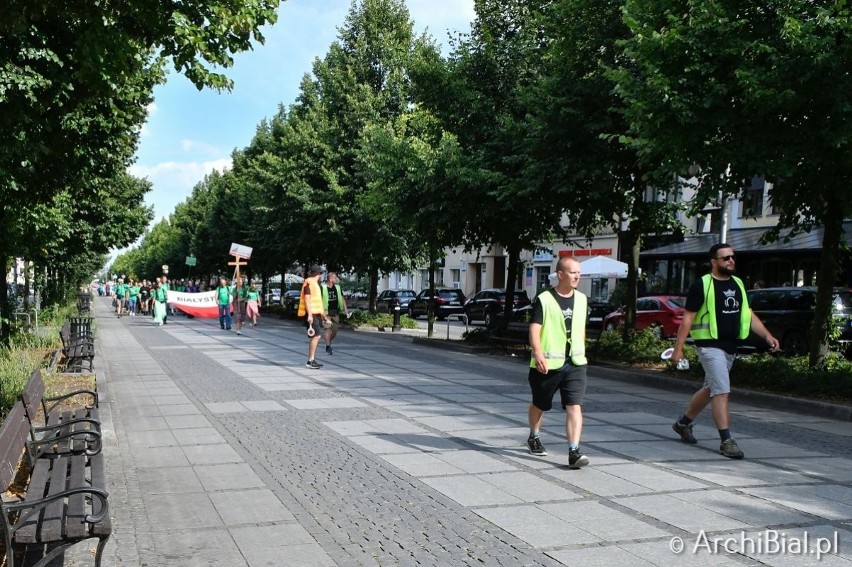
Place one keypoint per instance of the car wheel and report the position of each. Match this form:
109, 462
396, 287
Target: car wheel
794, 343
487, 318
411, 313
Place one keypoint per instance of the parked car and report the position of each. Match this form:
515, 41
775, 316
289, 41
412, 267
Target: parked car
788, 313
273, 296
290, 301
486, 304
447, 302
598, 310
663, 313
390, 298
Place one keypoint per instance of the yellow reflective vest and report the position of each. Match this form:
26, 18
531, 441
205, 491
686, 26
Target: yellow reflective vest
705, 326
315, 298
554, 334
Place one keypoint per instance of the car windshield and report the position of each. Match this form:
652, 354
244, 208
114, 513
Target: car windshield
405, 294
675, 302
448, 294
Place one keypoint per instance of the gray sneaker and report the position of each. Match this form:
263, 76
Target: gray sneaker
685, 432
730, 449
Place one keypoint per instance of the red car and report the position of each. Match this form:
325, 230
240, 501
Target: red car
662, 312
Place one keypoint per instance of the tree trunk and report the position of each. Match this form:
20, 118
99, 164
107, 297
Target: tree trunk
430, 309
828, 267
633, 243
511, 278
373, 292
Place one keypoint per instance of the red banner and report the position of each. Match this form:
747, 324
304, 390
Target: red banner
203, 304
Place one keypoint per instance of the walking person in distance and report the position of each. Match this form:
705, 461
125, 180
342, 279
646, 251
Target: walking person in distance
333, 303
310, 306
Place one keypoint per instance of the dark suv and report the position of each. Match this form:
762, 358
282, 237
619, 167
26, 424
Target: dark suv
486, 304
447, 302
788, 313
390, 298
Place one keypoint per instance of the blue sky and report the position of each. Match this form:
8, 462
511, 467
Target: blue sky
191, 132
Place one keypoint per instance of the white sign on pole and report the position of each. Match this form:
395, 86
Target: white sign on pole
464, 265
240, 251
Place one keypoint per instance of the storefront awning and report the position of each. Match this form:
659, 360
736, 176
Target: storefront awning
746, 240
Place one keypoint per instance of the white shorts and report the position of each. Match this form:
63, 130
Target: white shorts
717, 369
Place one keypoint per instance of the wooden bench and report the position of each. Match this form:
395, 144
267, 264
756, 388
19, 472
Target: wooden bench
77, 349
63, 503
61, 429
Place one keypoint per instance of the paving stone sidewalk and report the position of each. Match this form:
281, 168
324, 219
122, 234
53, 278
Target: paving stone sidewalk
225, 450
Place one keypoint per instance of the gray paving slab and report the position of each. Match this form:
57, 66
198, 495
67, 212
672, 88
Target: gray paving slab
394, 456
250, 506
227, 476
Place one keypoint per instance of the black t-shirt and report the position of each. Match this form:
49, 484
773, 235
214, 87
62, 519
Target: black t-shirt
144, 292
729, 303
333, 306
566, 304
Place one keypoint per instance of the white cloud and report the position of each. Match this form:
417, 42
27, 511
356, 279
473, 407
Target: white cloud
173, 181
179, 175
151, 109
202, 147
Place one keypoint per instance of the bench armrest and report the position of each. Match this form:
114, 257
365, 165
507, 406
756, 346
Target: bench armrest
31, 508
47, 409
91, 437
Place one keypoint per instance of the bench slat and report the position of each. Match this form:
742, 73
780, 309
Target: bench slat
37, 488
13, 437
75, 527
51, 524
98, 478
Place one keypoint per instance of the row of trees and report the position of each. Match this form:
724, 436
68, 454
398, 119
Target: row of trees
546, 109
75, 81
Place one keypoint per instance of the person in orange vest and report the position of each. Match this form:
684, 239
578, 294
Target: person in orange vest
310, 305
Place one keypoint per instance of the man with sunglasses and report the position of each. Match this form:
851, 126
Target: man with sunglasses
717, 317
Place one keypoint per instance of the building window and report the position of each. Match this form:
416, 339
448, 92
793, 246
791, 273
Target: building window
456, 278
752, 201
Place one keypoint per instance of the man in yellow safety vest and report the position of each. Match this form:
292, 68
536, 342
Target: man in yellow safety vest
717, 316
558, 341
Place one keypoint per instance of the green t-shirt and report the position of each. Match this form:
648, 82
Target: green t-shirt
253, 295
120, 290
133, 290
223, 294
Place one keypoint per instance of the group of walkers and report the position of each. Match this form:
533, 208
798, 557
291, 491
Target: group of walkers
133, 298
237, 303
717, 316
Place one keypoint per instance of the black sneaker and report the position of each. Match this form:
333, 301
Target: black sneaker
576, 460
685, 432
535, 446
313, 365
730, 449
328, 349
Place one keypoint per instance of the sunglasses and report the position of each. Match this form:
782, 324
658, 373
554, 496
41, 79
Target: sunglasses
726, 258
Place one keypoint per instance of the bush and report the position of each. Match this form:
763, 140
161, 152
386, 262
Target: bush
764, 372
642, 347
791, 375
367, 319
476, 336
